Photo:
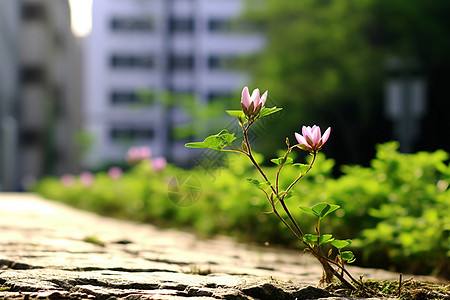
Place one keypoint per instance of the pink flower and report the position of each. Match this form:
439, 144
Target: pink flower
312, 140
67, 180
115, 172
252, 105
159, 163
87, 178
136, 154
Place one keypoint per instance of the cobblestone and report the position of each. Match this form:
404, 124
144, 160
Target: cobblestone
51, 251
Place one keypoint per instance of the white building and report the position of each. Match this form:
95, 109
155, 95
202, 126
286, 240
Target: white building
160, 45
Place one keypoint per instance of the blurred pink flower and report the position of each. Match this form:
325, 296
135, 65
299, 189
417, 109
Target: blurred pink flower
252, 105
136, 154
159, 163
312, 139
86, 178
67, 180
115, 172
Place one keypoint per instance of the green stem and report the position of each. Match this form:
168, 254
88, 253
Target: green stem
300, 176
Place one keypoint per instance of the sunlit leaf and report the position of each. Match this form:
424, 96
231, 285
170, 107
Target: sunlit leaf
282, 161
302, 167
339, 244
321, 210
215, 142
310, 238
287, 196
268, 111
236, 113
258, 184
348, 256
325, 238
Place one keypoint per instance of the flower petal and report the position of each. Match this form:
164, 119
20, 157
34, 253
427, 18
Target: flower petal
255, 98
326, 135
300, 139
316, 135
264, 98
306, 131
245, 99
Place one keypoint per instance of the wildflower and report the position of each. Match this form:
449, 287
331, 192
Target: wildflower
159, 163
252, 105
312, 140
87, 178
67, 180
136, 154
115, 172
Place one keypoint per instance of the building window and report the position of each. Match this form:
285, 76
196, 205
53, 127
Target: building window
120, 134
131, 24
181, 25
124, 97
30, 137
220, 62
218, 25
32, 11
181, 62
32, 74
231, 25
131, 61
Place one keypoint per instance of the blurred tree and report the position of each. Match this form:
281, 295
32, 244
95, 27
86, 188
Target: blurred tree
420, 30
325, 64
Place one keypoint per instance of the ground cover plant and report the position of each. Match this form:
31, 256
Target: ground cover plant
407, 290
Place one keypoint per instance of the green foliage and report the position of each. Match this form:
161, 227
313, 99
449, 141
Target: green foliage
339, 244
265, 111
397, 211
282, 161
215, 142
321, 210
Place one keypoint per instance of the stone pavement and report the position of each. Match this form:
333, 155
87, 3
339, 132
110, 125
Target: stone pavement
51, 251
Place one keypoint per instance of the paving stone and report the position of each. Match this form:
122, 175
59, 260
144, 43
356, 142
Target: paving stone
51, 251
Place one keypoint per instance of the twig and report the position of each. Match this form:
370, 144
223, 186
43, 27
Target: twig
399, 285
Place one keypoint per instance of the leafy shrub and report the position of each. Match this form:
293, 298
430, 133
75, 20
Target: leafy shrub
397, 211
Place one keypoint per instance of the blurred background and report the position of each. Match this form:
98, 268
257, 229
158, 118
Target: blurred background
81, 81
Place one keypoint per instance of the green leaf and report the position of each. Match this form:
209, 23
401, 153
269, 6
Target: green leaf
287, 196
308, 210
302, 167
339, 244
325, 238
310, 238
258, 184
348, 256
236, 113
215, 142
282, 161
268, 111
226, 136
321, 210
196, 145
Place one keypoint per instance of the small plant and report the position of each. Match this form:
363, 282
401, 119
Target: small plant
92, 239
324, 247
